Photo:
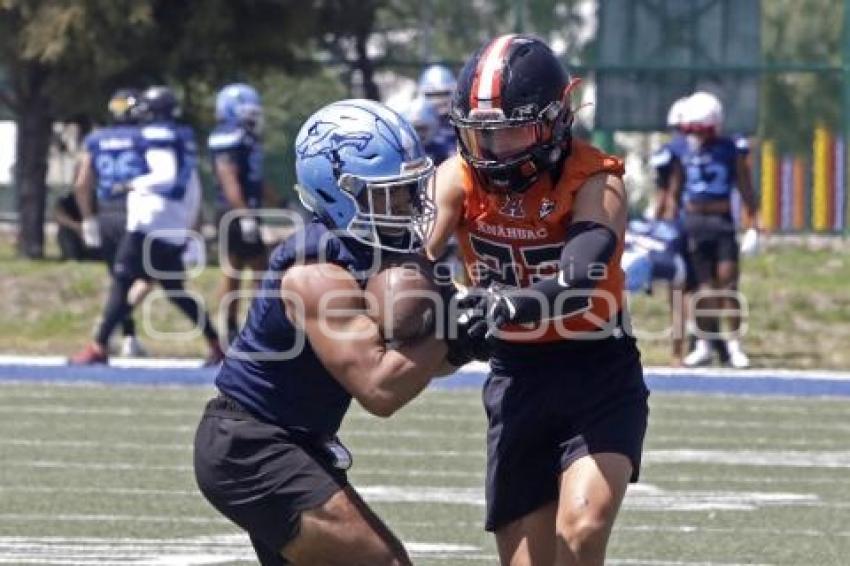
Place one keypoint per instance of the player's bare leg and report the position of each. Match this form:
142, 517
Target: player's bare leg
530, 540
344, 532
229, 287
727, 280
592, 489
679, 315
704, 305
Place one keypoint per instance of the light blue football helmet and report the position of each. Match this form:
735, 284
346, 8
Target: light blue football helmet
423, 117
437, 84
240, 104
362, 170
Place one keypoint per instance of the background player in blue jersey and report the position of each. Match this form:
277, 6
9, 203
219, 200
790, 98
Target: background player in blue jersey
162, 205
266, 453
655, 251
110, 160
707, 169
236, 150
424, 118
437, 84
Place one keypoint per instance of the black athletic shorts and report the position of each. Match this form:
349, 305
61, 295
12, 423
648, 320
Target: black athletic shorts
550, 404
165, 260
236, 244
259, 475
112, 219
711, 239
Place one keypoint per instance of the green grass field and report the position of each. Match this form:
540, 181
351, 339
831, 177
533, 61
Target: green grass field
799, 303
102, 475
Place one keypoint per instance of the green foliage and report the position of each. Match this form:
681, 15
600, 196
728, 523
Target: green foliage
793, 104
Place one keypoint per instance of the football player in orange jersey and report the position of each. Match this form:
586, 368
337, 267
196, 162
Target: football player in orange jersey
540, 218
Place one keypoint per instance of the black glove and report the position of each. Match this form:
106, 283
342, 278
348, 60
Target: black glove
476, 316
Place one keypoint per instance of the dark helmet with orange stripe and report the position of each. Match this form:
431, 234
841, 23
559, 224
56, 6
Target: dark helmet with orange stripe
511, 111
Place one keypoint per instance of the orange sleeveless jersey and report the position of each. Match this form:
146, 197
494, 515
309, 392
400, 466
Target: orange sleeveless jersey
517, 240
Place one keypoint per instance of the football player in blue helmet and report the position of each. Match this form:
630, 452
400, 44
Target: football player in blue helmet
424, 118
236, 151
109, 160
437, 85
654, 251
159, 104
308, 347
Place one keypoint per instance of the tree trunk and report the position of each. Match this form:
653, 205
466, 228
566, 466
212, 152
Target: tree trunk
364, 64
33, 143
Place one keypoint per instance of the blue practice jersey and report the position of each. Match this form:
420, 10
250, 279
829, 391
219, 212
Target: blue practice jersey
710, 172
654, 251
660, 236
245, 151
180, 139
444, 143
117, 157
271, 370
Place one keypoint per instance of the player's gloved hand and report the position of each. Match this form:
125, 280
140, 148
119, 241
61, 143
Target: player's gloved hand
91, 232
750, 243
492, 311
250, 229
481, 312
194, 254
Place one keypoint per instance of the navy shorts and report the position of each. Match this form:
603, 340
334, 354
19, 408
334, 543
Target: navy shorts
164, 260
236, 244
711, 239
548, 405
112, 218
259, 475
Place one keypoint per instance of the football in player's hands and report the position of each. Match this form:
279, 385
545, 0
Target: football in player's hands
403, 299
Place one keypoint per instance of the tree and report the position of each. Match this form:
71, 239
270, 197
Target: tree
793, 104
64, 59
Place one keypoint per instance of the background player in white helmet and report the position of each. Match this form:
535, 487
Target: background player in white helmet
707, 168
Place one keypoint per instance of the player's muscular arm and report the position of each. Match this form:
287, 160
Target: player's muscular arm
84, 186
449, 196
598, 223
673, 192
228, 175
602, 199
745, 187
332, 313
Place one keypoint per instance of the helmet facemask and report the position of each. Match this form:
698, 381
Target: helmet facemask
511, 153
251, 117
394, 214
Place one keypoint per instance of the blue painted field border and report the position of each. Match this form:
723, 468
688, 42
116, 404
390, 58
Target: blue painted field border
187, 373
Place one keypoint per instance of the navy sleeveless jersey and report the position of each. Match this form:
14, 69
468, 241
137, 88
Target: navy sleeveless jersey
444, 143
245, 151
271, 369
710, 171
117, 157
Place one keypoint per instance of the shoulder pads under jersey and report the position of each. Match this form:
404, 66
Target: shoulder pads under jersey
224, 138
158, 133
